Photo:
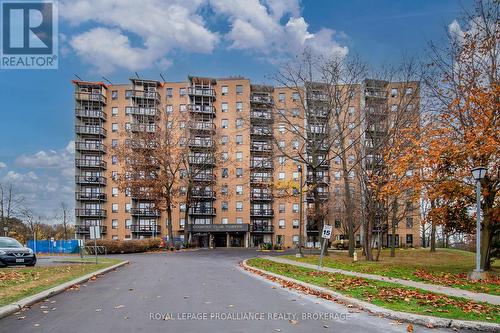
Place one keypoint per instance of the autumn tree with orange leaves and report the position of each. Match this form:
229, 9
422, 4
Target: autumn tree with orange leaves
463, 82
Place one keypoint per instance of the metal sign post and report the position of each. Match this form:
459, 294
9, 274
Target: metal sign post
327, 232
95, 233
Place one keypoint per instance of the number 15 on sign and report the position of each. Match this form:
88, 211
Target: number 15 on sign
326, 234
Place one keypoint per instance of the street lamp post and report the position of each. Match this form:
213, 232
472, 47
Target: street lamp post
478, 173
300, 254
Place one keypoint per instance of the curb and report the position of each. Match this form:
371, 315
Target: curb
27, 301
424, 320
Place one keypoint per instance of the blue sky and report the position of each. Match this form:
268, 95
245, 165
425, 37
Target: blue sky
203, 37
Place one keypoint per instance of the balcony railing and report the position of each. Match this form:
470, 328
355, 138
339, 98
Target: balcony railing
83, 163
90, 180
145, 228
261, 164
266, 132
142, 111
204, 178
90, 196
261, 148
144, 212
312, 227
376, 93
319, 179
202, 211
261, 196
94, 114
261, 116
141, 94
90, 212
194, 91
257, 180
204, 109
90, 97
262, 212
202, 126
139, 127
262, 228
85, 229
201, 143
261, 98
318, 96
87, 146
207, 160
321, 196
90, 130
203, 194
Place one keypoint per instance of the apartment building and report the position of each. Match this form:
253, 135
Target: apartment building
233, 127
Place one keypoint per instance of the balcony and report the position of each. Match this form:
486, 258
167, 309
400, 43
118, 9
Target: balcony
141, 94
262, 149
90, 180
82, 163
144, 128
142, 111
210, 211
263, 132
204, 92
261, 196
259, 180
201, 143
202, 160
318, 96
266, 165
92, 147
145, 228
322, 196
86, 96
319, 179
90, 212
375, 93
262, 228
145, 212
202, 109
312, 227
92, 114
90, 196
203, 194
85, 229
91, 130
262, 98
264, 212
203, 126
204, 178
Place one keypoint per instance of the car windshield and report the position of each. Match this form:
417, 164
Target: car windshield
9, 242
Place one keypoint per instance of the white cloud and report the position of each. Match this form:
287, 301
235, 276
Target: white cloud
3, 165
134, 35
48, 159
455, 30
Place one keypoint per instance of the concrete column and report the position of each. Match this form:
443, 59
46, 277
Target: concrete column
228, 240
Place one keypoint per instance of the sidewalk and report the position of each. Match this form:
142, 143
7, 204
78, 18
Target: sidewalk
479, 297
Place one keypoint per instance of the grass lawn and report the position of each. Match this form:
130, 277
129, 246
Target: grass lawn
388, 295
445, 267
20, 282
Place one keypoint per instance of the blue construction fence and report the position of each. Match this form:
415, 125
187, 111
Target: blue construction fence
56, 246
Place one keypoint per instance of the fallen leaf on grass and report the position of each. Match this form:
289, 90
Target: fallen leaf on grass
409, 328
293, 322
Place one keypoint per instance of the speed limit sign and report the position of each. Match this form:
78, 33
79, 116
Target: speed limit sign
327, 231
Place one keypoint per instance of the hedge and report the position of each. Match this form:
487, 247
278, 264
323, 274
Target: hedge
128, 246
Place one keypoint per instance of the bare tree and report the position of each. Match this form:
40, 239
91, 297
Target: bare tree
10, 204
64, 217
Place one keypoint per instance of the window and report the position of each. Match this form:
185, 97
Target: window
394, 108
281, 144
182, 223
225, 156
114, 175
114, 191
239, 220
224, 220
394, 92
114, 127
114, 111
409, 239
409, 222
224, 107
239, 156
239, 89
337, 175
114, 208
351, 174
128, 223
224, 140
295, 175
239, 206
239, 172
239, 106
295, 96
295, 113
239, 139
224, 206
182, 107
281, 175
281, 128
409, 91
295, 144
279, 239
239, 189
128, 206
295, 239
169, 109
114, 95
182, 207
225, 173
295, 223
351, 110
224, 91
281, 208
224, 123
281, 97
239, 123
126, 237
295, 208
281, 224
114, 159
114, 224
114, 143
170, 92
182, 91
224, 190
281, 160
337, 224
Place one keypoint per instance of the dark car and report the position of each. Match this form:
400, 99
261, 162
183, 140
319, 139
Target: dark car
13, 253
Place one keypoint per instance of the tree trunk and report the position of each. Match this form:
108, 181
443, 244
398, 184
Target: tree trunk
170, 231
367, 244
486, 239
393, 227
187, 232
